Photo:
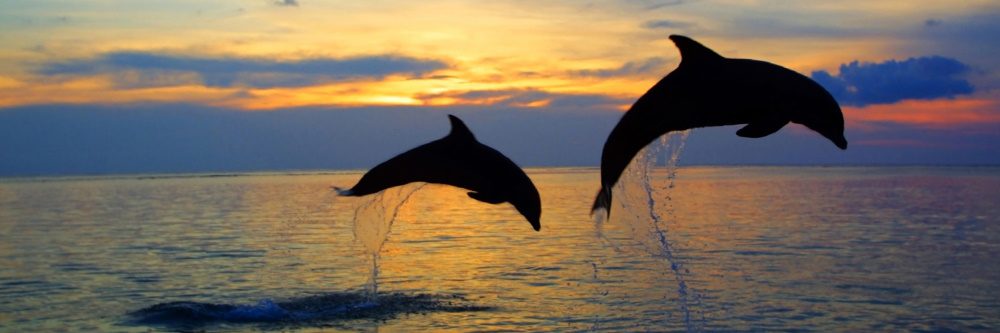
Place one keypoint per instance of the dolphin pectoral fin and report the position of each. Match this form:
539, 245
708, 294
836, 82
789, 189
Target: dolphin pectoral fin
485, 198
761, 128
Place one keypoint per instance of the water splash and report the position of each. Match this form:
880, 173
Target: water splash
372, 223
647, 211
323, 310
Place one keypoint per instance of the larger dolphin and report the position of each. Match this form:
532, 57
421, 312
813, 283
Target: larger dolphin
707, 89
458, 160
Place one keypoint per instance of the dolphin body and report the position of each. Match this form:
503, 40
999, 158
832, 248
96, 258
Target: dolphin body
457, 160
707, 89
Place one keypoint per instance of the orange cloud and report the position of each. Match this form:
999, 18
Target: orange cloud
98, 89
897, 143
937, 114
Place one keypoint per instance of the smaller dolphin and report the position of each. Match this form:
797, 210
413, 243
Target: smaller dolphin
461, 161
707, 89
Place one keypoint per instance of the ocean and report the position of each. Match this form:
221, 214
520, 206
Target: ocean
686, 249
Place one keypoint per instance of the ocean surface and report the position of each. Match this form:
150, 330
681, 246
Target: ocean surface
711, 249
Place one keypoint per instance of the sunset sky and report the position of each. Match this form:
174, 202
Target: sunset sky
232, 85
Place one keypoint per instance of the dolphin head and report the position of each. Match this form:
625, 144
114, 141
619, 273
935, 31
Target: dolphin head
528, 203
832, 128
819, 112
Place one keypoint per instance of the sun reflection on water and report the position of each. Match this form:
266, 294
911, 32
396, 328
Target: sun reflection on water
862, 249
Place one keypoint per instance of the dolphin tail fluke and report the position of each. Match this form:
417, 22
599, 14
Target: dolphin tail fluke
602, 202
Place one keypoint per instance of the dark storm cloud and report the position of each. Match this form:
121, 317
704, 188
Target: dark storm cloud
140, 69
648, 67
860, 84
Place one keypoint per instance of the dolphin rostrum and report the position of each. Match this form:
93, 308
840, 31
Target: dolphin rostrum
458, 160
707, 89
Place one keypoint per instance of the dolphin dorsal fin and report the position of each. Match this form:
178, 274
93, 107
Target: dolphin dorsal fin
693, 52
459, 130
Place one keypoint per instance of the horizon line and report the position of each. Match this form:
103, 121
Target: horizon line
529, 169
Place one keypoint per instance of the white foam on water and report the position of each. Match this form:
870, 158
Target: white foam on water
264, 310
309, 311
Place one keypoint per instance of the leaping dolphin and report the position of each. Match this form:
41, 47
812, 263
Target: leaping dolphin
461, 161
707, 89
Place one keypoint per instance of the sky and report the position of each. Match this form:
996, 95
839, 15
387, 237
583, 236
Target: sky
101, 87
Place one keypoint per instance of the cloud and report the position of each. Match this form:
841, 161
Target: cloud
666, 24
655, 66
959, 113
791, 25
526, 98
287, 3
143, 69
860, 84
657, 4
971, 38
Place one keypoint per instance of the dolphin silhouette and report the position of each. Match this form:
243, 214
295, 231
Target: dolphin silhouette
458, 160
707, 89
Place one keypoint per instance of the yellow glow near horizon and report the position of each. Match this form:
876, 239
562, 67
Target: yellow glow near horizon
497, 46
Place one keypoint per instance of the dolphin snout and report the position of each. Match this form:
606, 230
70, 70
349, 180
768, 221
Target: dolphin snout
841, 142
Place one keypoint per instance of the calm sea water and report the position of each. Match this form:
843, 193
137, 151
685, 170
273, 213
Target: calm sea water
730, 249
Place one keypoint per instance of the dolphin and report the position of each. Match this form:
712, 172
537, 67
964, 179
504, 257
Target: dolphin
707, 89
458, 160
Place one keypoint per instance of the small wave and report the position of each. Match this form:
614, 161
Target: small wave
307, 311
